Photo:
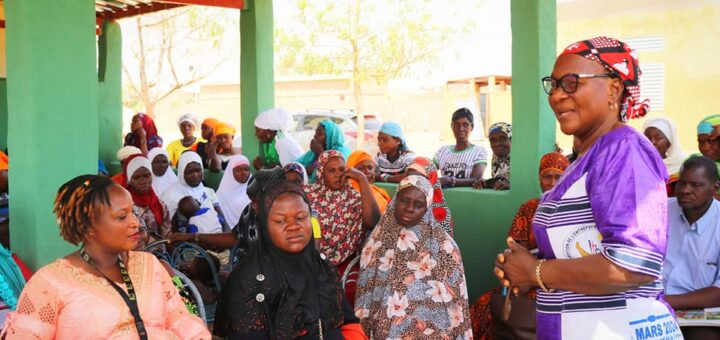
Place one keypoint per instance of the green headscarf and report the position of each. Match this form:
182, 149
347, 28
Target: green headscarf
334, 140
269, 153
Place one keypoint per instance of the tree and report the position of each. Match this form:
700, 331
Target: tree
369, 40
173, 49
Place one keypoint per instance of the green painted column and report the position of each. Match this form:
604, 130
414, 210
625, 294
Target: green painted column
52, 106
109, 96
3, 114
483, 217
257, 80
533, 26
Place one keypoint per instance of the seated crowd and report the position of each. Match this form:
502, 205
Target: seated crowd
309, 247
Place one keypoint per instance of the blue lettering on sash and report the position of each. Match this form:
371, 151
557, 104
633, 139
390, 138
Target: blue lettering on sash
657, 328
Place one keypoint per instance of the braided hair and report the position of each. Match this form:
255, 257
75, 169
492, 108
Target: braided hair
76, 202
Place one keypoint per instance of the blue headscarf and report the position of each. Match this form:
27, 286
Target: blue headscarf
334, 140
102, 168
707, 125
393, 129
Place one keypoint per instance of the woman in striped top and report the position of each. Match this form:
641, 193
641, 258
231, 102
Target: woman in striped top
463, 163
394, 156
602, 231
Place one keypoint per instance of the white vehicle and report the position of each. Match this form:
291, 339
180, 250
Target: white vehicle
305, 123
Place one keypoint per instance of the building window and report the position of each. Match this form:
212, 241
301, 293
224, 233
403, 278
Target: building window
652, 85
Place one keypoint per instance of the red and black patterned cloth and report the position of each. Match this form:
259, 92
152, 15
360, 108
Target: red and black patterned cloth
620, 59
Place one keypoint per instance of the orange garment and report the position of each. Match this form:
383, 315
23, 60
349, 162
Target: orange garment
4, 161
119, 178
353, 331
381, 196
62, 301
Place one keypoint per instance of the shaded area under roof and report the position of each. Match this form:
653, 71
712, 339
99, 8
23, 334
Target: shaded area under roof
117, 9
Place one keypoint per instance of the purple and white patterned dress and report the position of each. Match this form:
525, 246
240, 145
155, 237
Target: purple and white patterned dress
612, 201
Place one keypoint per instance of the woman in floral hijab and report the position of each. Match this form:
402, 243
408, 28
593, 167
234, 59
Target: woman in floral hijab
412, 281
439, 208
343, 212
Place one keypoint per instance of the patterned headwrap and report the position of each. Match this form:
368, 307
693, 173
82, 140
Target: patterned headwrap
502, 127
299, 169
553, 161
618, 58
707, 125
419, 182
323, 159
440, 208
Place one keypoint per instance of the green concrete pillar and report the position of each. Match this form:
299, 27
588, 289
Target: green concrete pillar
52, 115
483, 217
533, 55
109, 96
257, 80
3, 114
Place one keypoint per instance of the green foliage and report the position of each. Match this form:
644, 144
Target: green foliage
173, 49
370, 39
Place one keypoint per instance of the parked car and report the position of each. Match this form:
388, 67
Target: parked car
305, 123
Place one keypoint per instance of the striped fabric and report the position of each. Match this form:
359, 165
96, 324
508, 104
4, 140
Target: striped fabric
610, 201
459, 164
570, 226
394, 168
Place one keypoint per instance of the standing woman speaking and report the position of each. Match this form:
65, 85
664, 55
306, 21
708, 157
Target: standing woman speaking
602, 230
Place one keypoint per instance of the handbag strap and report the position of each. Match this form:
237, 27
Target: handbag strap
130, 297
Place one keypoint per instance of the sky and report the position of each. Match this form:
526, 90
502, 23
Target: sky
485, 50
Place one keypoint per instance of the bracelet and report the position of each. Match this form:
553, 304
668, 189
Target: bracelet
539, 280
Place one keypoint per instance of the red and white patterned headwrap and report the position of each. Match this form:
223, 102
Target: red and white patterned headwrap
618, 58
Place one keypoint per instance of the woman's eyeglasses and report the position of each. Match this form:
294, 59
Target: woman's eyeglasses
569, 82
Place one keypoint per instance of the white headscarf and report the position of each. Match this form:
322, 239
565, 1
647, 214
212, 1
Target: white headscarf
127, 151
188, 117
137, 163
161, 183
172, 196
232, 194
675, 156
280, 120
277, 119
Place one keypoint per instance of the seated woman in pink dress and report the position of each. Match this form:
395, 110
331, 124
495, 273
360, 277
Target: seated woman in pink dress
104, 290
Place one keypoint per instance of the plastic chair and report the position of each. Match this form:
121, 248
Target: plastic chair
187, 283
234, 256
159, 249
185, 252
349, 270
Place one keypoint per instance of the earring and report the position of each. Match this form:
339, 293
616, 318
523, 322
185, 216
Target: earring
613, 106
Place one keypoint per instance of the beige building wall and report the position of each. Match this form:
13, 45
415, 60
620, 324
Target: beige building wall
690, 30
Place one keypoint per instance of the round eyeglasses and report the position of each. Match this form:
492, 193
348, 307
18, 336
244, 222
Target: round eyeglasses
569, 82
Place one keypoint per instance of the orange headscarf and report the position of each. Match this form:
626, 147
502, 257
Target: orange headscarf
211, 122
554, 161
4, 161
381, 196
223, 128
